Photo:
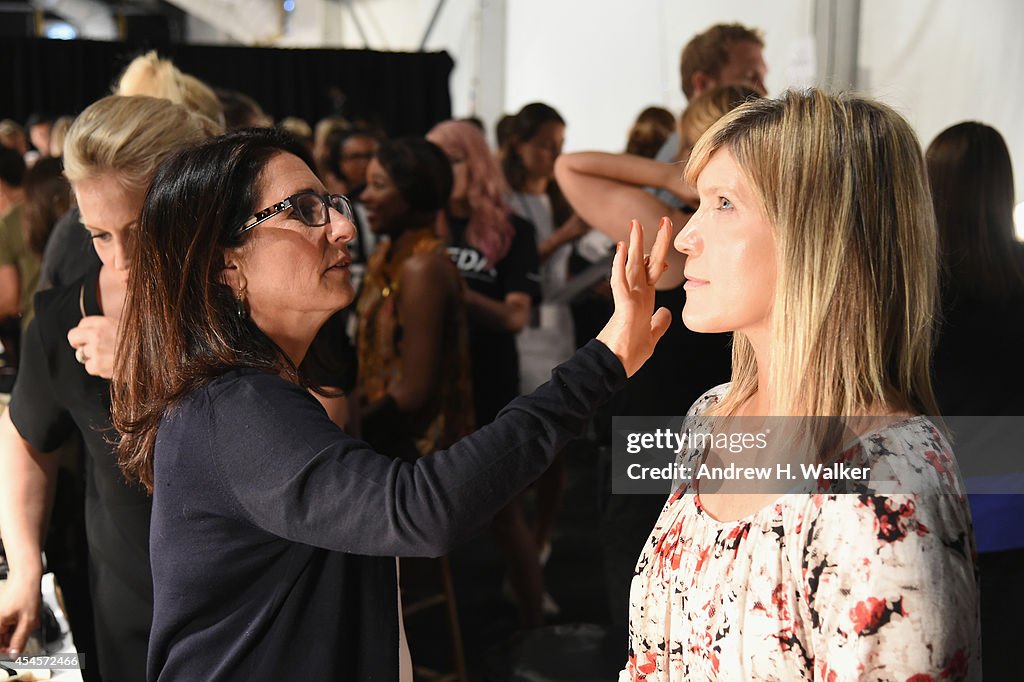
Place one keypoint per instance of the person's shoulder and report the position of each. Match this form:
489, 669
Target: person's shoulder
428, 268
63, 305
12, 218
68, 227
247, 383
708, 399
242, 398
909, 455
7, 228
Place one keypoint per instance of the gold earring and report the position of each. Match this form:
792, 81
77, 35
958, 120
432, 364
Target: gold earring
240, 307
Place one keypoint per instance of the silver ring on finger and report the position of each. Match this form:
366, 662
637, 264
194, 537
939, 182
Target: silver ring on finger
80, 356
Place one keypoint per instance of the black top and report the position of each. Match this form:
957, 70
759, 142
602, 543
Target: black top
495, 360
54, 395
977, 365
684, 365
274, 532
69, 254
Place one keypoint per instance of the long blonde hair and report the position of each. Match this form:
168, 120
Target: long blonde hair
842, 180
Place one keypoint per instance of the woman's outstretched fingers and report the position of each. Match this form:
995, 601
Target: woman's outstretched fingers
633, 331
656, 265
618, 278
635, 271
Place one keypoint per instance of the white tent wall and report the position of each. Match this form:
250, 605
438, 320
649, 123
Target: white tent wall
940, 63
600, 62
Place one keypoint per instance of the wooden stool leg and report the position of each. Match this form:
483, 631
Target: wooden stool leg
458, 654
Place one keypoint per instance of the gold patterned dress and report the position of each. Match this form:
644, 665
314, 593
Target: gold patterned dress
448, 414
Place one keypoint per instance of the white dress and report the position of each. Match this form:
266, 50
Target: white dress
550, 338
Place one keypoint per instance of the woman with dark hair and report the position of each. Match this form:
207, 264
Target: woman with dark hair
652, 127
47, 198
412, 339
978, 369
528, 158
272, 528
495, 251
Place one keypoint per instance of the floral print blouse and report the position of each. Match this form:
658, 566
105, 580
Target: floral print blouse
828, 587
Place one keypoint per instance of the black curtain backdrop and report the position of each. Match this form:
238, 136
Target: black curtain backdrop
406, 93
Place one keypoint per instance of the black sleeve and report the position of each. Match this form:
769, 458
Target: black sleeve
35, 411
519, 270
287, 469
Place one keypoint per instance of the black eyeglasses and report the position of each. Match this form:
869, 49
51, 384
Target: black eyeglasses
309, 207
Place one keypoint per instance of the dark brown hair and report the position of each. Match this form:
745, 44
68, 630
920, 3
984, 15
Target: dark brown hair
182, 327
47, 198
524, 127
972, 190
649, 132
708, 52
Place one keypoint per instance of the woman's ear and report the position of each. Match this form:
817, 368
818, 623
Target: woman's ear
231, 272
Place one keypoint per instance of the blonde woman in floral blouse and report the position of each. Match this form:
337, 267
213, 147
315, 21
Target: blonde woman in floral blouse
816, 245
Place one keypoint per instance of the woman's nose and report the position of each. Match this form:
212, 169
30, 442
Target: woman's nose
688, 240
122, 257
340, 229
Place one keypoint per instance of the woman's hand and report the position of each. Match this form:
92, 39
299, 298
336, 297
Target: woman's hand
93, 340
19, 613
632, 332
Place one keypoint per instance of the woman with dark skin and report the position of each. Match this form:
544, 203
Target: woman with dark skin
412, 339
271, 526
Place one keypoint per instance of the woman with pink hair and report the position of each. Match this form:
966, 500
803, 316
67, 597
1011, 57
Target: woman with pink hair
496, 253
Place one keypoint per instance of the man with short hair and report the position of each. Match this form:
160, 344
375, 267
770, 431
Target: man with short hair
725, 54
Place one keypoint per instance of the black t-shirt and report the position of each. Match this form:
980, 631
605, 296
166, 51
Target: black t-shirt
274, 532
52, 396
495, 361
69, 253
977, 365
683, 366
